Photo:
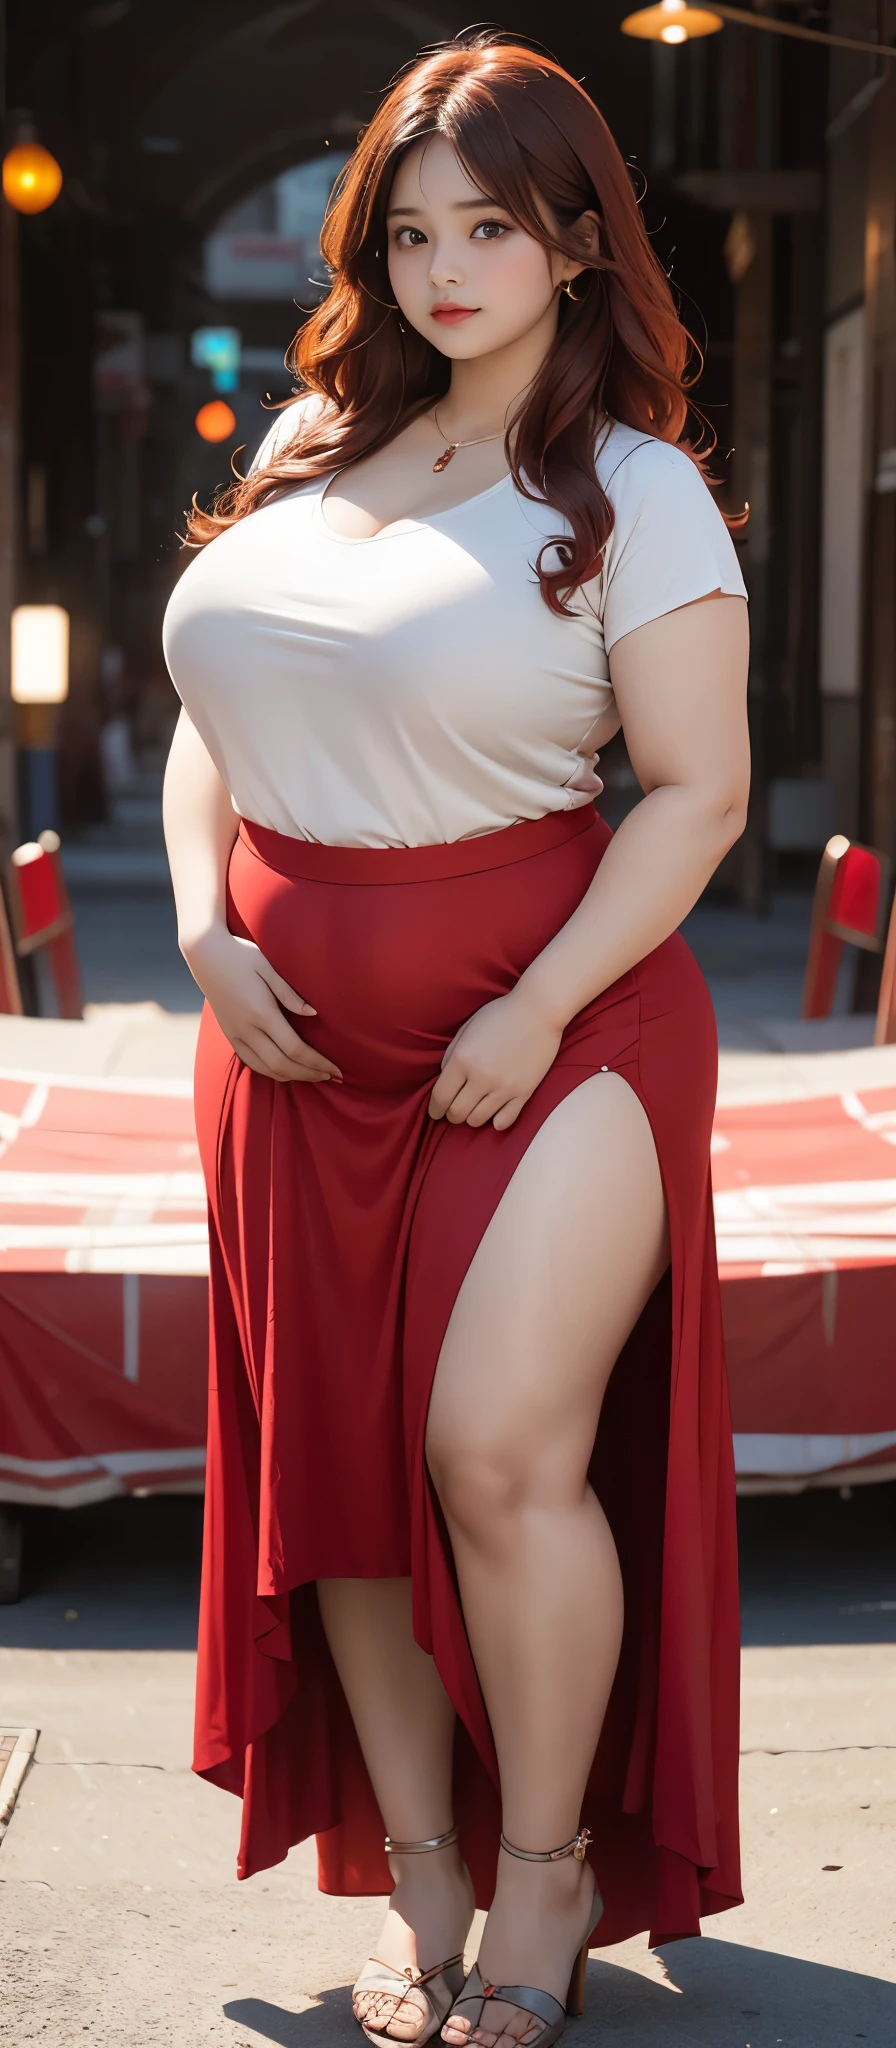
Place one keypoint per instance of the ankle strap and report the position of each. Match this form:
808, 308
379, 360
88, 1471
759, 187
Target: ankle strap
576, 1848
394, 1848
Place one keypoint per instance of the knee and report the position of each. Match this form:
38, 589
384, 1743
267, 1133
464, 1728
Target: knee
483, 1482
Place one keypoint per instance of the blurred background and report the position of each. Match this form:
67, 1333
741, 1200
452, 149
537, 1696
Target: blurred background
166, 166
145, 312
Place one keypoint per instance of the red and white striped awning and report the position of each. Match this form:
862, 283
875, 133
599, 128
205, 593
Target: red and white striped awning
805, 1205
103, 1289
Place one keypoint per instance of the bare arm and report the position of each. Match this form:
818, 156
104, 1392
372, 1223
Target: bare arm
244, 990
200, 828
681, 686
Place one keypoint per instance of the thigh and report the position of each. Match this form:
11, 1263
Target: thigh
568, 1260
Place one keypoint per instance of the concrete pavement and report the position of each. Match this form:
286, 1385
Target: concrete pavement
121, 1919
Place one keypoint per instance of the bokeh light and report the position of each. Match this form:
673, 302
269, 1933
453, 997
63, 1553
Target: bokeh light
672, 21
215, 421
32, 178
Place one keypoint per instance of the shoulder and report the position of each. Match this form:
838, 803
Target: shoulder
291, 421
640, 473
669, 544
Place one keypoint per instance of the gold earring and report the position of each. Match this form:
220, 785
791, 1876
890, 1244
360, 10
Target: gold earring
575, 297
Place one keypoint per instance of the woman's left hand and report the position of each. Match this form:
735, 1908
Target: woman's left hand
495, 1062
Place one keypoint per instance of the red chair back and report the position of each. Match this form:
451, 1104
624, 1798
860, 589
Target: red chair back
850, 904
42, 917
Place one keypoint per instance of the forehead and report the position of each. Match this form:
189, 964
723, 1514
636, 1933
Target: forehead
431, 174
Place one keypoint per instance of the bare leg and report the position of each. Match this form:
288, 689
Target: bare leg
568, 1261
405, 1725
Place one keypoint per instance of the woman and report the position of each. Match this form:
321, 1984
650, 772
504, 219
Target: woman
456, 1072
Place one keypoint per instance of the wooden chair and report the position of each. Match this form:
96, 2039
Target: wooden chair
10, 992
851, 896
42, 916
885, 1027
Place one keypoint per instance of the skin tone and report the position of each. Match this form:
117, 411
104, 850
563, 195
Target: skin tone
580, 1238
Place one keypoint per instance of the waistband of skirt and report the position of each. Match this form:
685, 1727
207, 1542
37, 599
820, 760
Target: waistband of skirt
313, 862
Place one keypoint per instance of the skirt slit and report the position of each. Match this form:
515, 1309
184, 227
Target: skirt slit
342, 1223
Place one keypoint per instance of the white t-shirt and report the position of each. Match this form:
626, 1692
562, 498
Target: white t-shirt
414, 689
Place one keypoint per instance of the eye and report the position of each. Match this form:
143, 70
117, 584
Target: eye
489, 230
416, 238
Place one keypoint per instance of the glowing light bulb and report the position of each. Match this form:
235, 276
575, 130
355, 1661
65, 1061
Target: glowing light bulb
671, 21
32, 178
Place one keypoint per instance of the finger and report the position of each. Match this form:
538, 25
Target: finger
278, 1064
248, 1057
260, 1053
508, 1115
296, 1052
281, 989
460, 1110
486, 1109
275, 1026
444, 1091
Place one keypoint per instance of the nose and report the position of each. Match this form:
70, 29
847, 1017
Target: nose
446, 265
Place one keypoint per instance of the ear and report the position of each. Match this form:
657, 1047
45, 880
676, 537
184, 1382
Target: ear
587, 232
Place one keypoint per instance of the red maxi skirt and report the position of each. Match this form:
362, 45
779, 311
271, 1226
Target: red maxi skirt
343, 1220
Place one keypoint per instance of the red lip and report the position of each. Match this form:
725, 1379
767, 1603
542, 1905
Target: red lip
450, 315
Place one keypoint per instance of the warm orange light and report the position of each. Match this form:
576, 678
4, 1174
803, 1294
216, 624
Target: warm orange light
32, 178
39, 640
215, 420
673, 21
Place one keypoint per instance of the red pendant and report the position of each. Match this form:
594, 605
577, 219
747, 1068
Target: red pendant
447, 456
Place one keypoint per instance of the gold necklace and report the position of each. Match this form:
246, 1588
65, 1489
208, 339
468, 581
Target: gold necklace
451, 448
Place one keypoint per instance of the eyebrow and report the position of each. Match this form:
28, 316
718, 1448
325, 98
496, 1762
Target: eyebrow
459, 206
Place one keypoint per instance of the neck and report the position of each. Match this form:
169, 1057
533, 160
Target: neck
481, 396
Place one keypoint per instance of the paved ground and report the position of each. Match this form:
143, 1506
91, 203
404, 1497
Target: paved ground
120, 1916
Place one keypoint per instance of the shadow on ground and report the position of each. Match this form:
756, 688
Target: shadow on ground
718, 1994
818, 1569
814, 1569
127, 1570
731, 1995
329, 2020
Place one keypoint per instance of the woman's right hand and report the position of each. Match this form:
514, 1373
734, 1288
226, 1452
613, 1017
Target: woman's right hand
245, 992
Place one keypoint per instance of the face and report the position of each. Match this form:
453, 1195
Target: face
463, 273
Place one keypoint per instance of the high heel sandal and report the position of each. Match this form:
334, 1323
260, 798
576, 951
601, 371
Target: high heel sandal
527, 1997
439, 1986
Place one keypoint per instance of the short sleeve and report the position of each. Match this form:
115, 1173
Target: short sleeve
669, 545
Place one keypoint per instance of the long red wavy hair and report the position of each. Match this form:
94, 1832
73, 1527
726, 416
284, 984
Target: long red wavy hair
526, 133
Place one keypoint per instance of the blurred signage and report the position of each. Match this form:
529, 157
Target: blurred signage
268, 246
217, 349
258, 266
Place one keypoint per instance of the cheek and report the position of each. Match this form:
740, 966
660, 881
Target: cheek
408, 275
521, 277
